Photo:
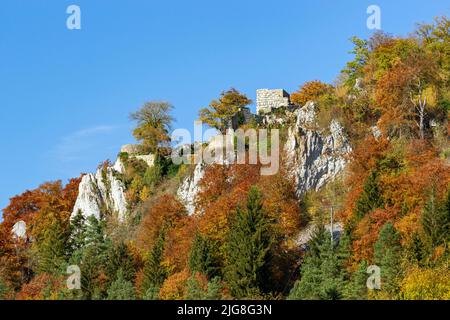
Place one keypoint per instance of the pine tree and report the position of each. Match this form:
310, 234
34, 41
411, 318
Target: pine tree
370, 198
356, 287
120, 258
214, 289
331, 272
94, 259
90, 272
77, 240
51, 245
416, 250
248, 245
152, 293
195, 292
436, 220
203, 257
387, 254
121, 289
154, 272
322, 272
96, 238
308, 287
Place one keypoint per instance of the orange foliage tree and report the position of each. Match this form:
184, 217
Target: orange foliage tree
164, 214
310, 91
15, 265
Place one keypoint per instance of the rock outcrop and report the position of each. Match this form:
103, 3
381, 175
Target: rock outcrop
101, 193
189, 188
315, 156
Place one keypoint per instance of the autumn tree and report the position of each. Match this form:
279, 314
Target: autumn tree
164, 213
426, 284
175, 287
42, 287
311, 91
153, 125
219, 112
16, 259
248, 245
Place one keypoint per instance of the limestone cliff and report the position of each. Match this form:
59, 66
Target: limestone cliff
100, 193
315, 155
189, 188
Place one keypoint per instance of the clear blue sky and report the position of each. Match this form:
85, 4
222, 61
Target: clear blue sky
65, 95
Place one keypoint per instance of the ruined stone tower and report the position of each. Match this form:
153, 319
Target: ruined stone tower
269, 99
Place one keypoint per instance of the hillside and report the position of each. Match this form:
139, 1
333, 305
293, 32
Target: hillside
345, 176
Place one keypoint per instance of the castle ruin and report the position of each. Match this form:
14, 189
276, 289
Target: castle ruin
269, 99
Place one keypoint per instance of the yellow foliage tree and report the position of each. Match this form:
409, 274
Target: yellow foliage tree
426, 284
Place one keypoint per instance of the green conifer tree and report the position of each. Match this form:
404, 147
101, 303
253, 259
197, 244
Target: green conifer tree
77, 240
121, 289
322, 273
212, 292
356, 287
387, 254
120, 258
308, 286
94, 259
370, 198
154, 272
416, 250
51, 245
194, 291
436, 220
248, 245
203, 257
214, 289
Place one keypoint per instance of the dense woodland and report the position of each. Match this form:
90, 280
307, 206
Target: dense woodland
393, 200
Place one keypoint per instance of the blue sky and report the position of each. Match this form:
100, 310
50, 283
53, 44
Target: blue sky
66, 94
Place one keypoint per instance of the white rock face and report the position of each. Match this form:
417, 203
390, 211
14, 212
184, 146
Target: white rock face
376, 132
148, 159
315, 157
19, 230
119, 166
189, 188
97, 193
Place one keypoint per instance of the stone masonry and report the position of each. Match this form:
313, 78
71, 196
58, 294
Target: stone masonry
269, 99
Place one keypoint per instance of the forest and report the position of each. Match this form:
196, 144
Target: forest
393, 200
